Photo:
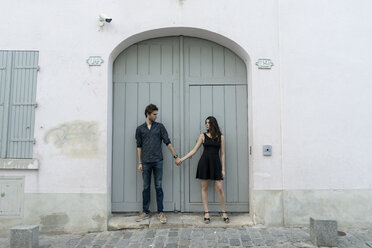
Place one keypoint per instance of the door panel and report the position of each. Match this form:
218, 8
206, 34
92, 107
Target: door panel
226, 104
215, 84
147, 72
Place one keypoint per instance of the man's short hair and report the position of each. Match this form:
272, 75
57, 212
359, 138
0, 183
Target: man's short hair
150, 108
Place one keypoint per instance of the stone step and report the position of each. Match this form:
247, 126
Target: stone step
178, 220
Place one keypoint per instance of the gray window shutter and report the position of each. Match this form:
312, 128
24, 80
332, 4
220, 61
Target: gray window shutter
22, 104
5, 78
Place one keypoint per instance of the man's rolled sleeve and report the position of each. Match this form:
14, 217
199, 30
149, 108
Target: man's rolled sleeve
164, 135
138, 137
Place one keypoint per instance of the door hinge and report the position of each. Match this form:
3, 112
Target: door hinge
250, 150
34, 141
38, 68
36, 105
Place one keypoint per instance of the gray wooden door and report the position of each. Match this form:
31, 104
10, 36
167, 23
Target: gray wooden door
147, 72
215, 84
189, 79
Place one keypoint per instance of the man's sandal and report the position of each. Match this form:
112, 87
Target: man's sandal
226, 220
206, 220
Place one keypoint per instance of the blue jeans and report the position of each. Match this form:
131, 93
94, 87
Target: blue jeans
157, 167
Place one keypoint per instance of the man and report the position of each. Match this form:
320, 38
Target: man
149, 136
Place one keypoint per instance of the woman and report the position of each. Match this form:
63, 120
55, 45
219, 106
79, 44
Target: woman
211, 166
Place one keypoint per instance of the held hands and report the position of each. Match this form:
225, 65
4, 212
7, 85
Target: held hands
178, 161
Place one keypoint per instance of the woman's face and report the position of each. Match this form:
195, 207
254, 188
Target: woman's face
207, 124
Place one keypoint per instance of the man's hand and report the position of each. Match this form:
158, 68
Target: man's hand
140, 168
177, 161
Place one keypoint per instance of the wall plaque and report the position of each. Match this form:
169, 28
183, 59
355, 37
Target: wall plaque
264, 63
94, 61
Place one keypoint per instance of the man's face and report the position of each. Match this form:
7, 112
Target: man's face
152, 117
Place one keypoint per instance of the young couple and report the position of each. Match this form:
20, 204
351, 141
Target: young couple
211, 165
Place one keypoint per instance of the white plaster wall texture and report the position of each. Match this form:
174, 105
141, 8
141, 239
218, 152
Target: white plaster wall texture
313, 104
327, 94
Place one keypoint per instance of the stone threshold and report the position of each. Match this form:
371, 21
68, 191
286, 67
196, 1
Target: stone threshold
178, 220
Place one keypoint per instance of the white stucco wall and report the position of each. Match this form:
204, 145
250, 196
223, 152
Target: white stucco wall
327, 94
313, 106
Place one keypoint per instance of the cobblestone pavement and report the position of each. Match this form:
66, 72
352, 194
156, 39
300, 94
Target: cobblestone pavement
199, 237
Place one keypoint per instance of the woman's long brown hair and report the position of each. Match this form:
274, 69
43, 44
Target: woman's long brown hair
214, 129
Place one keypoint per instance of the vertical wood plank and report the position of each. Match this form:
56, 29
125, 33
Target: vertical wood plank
219, 114
242, 141
231, 145
194, 127
118, 141
143, 59
130, 161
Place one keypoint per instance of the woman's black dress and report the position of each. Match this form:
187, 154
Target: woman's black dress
209, 166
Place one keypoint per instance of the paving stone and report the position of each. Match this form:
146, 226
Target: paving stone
127, 235
99, 242
186, 234
235, 242
160, 239
122, 243
197, 234
147, 241
210, 237
184, 243
258, 242
247, 244
303, 245
150, 234
211, 243
172, 240
209, 230
231, 231
196, 243
270, 242
73, 241
223, 240
133, 245
160, 232
171, 245
245, 238
158, 245
87, 240
112, 241
172, 234
116, 234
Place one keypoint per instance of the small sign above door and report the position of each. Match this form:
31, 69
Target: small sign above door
94, 61
264, 63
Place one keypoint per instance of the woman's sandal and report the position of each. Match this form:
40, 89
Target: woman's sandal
226, 220
206, 220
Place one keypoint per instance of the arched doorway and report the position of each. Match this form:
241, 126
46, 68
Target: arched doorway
189, 79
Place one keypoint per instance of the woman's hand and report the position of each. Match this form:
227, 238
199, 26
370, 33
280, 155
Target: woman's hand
223, 173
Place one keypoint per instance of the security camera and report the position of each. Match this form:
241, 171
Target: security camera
104, 18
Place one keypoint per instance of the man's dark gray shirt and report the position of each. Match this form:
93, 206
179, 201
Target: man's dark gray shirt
150, 141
